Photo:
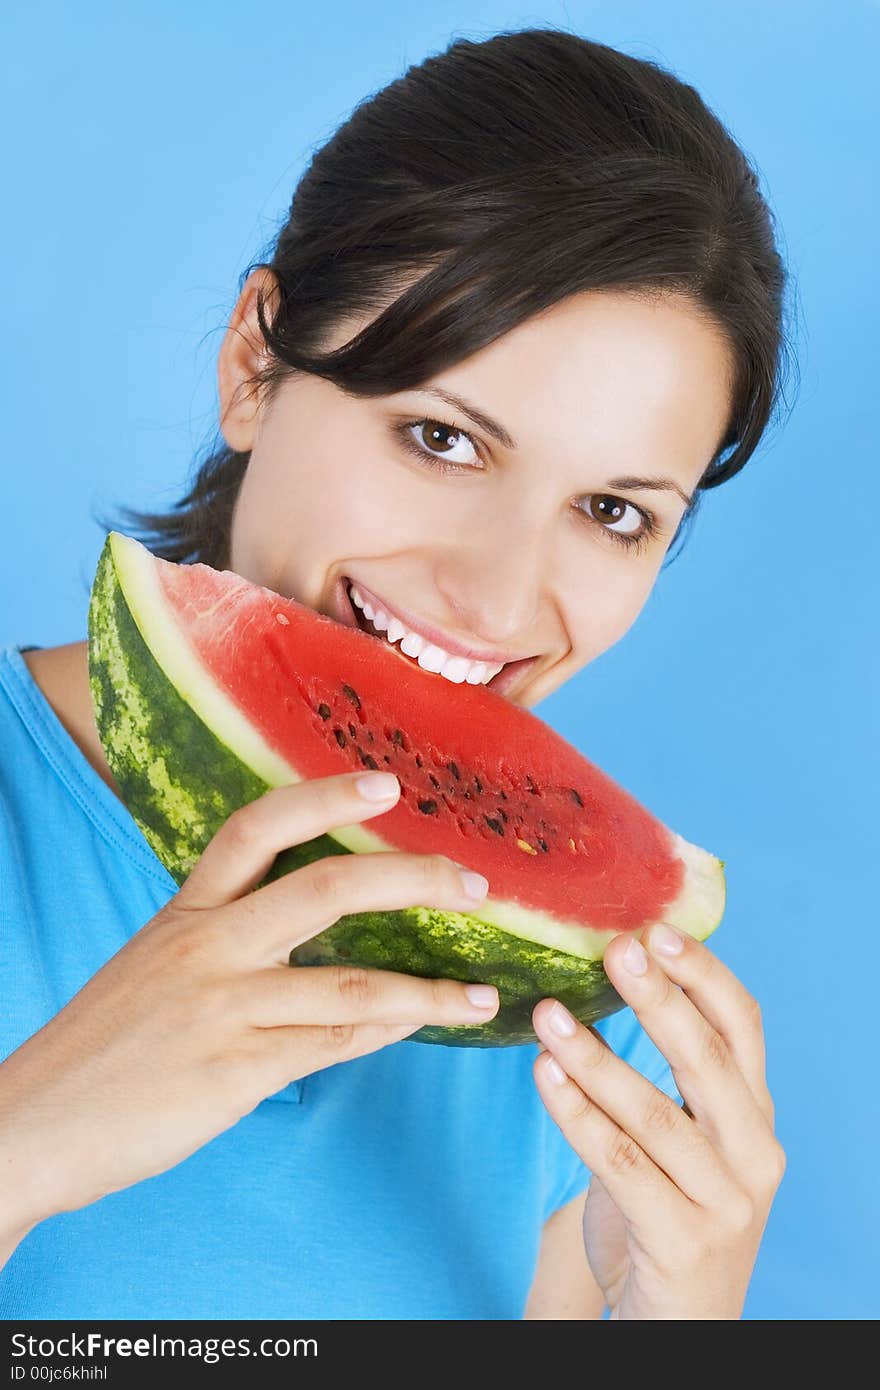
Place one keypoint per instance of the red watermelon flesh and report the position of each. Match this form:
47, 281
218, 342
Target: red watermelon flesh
601, 848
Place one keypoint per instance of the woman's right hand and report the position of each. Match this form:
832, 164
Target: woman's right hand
199, 1017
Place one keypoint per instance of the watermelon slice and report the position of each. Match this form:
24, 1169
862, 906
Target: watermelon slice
208, 690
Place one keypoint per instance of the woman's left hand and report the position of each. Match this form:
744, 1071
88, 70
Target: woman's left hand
679, 1198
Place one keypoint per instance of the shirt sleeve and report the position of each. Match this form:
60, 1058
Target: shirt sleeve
624, 1033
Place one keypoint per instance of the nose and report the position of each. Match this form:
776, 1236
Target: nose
494, 587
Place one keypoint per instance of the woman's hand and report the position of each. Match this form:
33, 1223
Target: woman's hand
199, 1017
679, 1198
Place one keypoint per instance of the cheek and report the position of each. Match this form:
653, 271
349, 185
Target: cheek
307, 505
607, 610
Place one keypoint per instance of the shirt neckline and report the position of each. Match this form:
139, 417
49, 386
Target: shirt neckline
67, 760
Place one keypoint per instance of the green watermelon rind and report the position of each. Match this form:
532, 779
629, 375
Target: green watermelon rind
177, 810
437, 944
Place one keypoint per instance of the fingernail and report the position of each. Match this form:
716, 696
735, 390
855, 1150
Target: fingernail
666, 940
554, 1071
483, 996
635, 959
475, 885
561, 1021
377, 786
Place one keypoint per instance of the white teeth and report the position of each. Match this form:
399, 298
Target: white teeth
432, 658
455, 669
479, 673
429, 657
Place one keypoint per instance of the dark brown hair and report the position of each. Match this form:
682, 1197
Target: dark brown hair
486, 184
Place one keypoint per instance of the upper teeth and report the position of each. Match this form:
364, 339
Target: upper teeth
430, 658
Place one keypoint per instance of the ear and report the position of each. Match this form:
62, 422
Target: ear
242, 354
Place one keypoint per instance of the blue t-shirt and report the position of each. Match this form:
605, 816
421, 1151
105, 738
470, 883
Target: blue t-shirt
413, 1183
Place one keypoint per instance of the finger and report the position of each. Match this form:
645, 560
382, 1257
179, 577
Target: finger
245, 847
704, 1067
265, 927
314, 994
287, 1054
685, 1108
721, 998
658, 1125
642, 1193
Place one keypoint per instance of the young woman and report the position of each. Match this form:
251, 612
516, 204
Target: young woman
527, 308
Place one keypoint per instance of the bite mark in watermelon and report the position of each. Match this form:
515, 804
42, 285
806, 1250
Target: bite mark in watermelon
208, 690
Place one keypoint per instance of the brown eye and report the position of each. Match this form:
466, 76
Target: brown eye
435, 442
443, 439
436, 435
610, 511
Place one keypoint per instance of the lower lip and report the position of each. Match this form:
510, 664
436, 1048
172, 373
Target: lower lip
500, 683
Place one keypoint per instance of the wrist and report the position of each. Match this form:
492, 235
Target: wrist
11, 1239
24, 1200
20, 1209
18, 1213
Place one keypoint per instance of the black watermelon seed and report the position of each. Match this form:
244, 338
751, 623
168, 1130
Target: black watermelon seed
352, 695
434, 781
494, 825
387, 759
478, 784
340, 738
467, 795
352, 730
503, 814
418, 761
454, 770
543, 844
532, 788
324, 711
575, 796
428, 808
502, 793
397, 737
370, 735
368, 760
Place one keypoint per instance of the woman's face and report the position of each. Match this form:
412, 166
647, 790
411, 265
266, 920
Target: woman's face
541, 549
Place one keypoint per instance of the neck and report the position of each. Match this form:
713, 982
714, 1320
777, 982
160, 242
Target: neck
62, 675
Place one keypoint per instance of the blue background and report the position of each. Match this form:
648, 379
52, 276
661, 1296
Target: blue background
149, 156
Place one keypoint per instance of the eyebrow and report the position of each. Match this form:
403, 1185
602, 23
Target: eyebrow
503, 436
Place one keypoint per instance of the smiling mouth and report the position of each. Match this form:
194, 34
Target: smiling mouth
500, 683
